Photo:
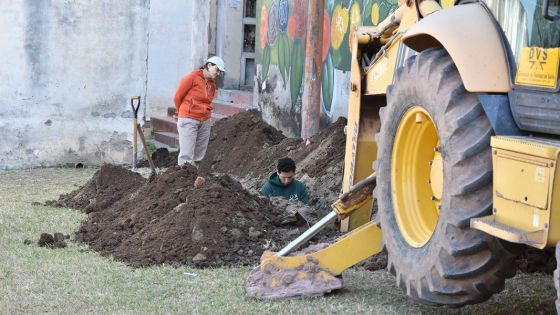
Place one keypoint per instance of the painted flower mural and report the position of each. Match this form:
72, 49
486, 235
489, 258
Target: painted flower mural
375, 14
339, 26
272, 23
355, 21
263, 26
282, 31
283, 12
300, 15
326, 35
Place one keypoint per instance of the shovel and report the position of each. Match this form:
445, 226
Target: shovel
135, 130
148, 155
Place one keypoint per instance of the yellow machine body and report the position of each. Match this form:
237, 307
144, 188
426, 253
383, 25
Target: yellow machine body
363, 109
344, 253
526, 179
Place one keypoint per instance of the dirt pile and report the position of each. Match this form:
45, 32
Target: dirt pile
246, 147
235, 143
56, 240
107, 186
169, 221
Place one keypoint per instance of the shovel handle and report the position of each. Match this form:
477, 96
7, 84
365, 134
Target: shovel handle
132, 104
148, 156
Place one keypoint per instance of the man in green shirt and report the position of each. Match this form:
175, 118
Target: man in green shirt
283, 183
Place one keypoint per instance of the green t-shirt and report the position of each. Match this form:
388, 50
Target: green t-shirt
294, 191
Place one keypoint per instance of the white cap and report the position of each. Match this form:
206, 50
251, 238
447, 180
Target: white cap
218, 62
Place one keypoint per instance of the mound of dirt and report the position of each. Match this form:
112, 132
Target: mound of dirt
169, 221
235, 142
247, 148
161, 158
108, 185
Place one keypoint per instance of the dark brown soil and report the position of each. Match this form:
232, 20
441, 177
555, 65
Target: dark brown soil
161, 158
535, 260
248, 148
235, 143
107, 186
52, 241
169, 221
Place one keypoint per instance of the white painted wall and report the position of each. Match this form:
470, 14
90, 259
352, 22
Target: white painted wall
229, 39
69, 68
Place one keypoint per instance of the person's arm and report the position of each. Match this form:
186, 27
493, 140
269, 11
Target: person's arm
184, 87
266, 190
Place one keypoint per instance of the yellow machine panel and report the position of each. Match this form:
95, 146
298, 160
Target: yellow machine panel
526, 191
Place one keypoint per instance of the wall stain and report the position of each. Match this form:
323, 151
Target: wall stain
36, 38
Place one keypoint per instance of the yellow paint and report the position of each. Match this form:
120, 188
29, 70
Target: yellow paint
447, 3
339, 26
361, 150
355, 21
375, 14
412, 174
380, 75
347, 251
526, 192
538, 67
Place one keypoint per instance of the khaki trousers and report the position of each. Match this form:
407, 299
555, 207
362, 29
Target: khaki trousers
193, 140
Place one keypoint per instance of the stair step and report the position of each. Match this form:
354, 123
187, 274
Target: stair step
164, 124
169, 138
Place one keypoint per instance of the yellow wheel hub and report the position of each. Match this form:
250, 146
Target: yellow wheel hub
416, 176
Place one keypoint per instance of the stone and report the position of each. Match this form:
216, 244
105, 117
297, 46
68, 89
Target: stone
199, 258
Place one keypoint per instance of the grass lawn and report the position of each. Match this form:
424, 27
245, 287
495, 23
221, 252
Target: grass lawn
75, 280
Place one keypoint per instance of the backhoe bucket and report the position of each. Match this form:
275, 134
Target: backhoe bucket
315, 270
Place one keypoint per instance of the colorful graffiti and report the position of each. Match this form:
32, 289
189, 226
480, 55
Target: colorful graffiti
281, 33
282, 30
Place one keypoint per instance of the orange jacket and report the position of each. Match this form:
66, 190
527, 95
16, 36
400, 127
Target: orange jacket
194, 96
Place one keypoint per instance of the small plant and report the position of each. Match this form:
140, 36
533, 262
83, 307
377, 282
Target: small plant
151, 147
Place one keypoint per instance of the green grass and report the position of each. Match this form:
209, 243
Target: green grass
75, 280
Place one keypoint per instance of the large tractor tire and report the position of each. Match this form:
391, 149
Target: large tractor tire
434, 173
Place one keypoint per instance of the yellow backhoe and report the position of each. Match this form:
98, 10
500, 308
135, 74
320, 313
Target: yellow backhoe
454, 132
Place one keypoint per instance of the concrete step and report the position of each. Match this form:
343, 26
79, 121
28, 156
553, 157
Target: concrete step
235, 96
164, 124
164, 137
168, 138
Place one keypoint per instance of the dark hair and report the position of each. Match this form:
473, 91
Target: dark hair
286, 165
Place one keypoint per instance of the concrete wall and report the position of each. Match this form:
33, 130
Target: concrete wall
229, 29
69, 68
178, 43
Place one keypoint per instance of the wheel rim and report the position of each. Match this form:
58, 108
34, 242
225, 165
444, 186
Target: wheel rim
416, 176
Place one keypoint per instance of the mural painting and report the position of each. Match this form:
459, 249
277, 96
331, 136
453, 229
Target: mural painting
281, 36
281, 32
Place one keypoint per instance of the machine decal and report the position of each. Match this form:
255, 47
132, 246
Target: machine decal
538, 67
